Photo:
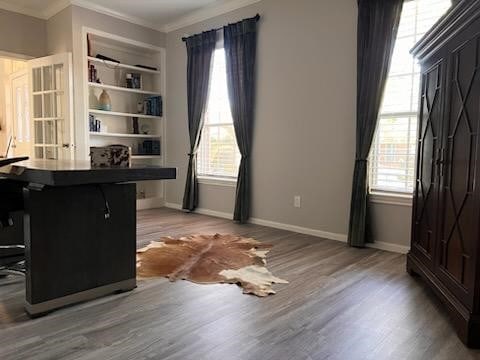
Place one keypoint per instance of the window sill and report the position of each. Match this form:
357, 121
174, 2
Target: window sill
388, 198
217, 181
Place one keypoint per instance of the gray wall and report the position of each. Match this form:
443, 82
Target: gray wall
22, 34
305, 114
305, 121
60, 32
391, 223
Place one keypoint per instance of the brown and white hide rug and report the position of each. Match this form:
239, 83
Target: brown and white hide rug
209, 259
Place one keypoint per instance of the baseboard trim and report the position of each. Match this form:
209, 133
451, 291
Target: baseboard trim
150, 203
298, 229
173, 206
380, 245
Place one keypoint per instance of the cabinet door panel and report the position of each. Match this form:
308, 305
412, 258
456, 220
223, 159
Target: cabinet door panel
460, 206
427, 180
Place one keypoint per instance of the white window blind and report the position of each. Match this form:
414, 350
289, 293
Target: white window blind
392, 157
218, 154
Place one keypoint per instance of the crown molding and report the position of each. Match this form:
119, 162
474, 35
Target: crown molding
90, 5
189, 19
44, 14
206, 13
55, 8
59, 5
4, 5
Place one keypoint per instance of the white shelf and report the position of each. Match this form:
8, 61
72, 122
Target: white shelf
142, 157
46, 92
113, 64
120, 88
118, 135
116, 113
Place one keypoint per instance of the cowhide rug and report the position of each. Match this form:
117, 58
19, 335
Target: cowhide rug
209, 259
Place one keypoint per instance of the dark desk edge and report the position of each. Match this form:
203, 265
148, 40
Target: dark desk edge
89, 176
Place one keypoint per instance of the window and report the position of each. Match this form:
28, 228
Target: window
218, 154
392, 157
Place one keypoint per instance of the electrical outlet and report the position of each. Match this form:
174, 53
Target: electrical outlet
297, 201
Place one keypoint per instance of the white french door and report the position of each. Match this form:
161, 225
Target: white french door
51, 88
18, 104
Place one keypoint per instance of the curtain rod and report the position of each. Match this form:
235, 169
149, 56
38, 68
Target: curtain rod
256, 17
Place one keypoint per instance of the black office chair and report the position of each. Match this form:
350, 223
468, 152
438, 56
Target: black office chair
12, 249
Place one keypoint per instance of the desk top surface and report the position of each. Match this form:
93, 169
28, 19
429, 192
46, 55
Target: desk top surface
68, 173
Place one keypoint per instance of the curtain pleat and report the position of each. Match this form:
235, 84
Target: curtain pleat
240, 41
200, 50
377, 28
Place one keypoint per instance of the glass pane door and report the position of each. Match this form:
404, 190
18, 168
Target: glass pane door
51, 98
47, 111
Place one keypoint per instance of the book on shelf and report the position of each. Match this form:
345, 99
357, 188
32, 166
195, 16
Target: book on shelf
153, 106
95, 124
134, 81
149, 147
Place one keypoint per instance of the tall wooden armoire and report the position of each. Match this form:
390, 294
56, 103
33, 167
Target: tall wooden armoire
445, 248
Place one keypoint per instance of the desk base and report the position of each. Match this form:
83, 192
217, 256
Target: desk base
36, 310
73, 250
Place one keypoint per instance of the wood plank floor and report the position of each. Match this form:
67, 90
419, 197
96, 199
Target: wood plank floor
341, 303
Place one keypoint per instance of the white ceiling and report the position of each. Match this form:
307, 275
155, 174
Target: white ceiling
164, 15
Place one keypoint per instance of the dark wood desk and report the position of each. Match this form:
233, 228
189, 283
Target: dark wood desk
79, 229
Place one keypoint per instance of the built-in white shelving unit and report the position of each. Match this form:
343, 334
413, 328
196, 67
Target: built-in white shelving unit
114, 65
124, 114
118, 135
121, 88
118, 124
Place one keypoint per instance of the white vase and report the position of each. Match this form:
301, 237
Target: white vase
104, 101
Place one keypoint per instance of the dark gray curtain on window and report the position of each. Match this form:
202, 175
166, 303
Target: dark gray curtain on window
377, 29
200, 49
240, 41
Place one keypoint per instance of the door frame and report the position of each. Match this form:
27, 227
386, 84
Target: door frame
10, 115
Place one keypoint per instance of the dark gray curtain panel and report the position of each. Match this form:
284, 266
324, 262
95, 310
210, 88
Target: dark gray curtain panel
200, 50
377, 29
240, 41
